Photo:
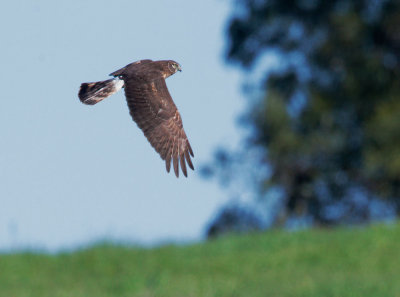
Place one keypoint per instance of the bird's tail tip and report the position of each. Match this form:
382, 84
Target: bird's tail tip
94, 92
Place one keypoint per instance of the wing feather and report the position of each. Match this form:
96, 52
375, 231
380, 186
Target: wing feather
175, 157
187, 157
168, 163
154, 111
183, 165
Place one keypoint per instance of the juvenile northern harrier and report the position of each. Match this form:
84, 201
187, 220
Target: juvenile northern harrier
150, 106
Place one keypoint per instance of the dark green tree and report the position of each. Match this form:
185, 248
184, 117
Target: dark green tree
328, 126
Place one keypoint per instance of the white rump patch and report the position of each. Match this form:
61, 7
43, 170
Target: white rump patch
118, 84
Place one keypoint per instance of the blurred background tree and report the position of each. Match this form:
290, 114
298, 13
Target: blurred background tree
326, 127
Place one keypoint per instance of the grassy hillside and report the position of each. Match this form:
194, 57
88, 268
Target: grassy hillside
346, 262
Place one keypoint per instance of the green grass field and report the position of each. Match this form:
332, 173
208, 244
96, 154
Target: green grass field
340, 262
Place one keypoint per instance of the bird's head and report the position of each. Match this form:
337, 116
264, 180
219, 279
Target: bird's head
174, 67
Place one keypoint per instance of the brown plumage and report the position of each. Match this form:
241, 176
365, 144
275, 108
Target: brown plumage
150, 106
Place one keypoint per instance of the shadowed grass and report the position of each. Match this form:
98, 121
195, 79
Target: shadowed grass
342, 262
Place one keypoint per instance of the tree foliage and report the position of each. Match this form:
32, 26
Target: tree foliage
328, 125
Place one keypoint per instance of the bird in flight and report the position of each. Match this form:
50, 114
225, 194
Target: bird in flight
150, 105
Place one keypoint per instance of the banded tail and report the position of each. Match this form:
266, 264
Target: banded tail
92, 93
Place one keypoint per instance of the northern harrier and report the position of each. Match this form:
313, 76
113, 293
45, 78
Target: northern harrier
150, 106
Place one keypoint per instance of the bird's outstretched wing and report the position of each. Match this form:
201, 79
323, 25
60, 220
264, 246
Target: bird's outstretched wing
154, 111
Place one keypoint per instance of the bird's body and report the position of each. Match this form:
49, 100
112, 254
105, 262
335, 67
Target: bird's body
150, 105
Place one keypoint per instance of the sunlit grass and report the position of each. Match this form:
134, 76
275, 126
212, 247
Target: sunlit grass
344, 262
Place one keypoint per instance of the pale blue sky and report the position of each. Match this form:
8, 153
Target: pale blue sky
70, 173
